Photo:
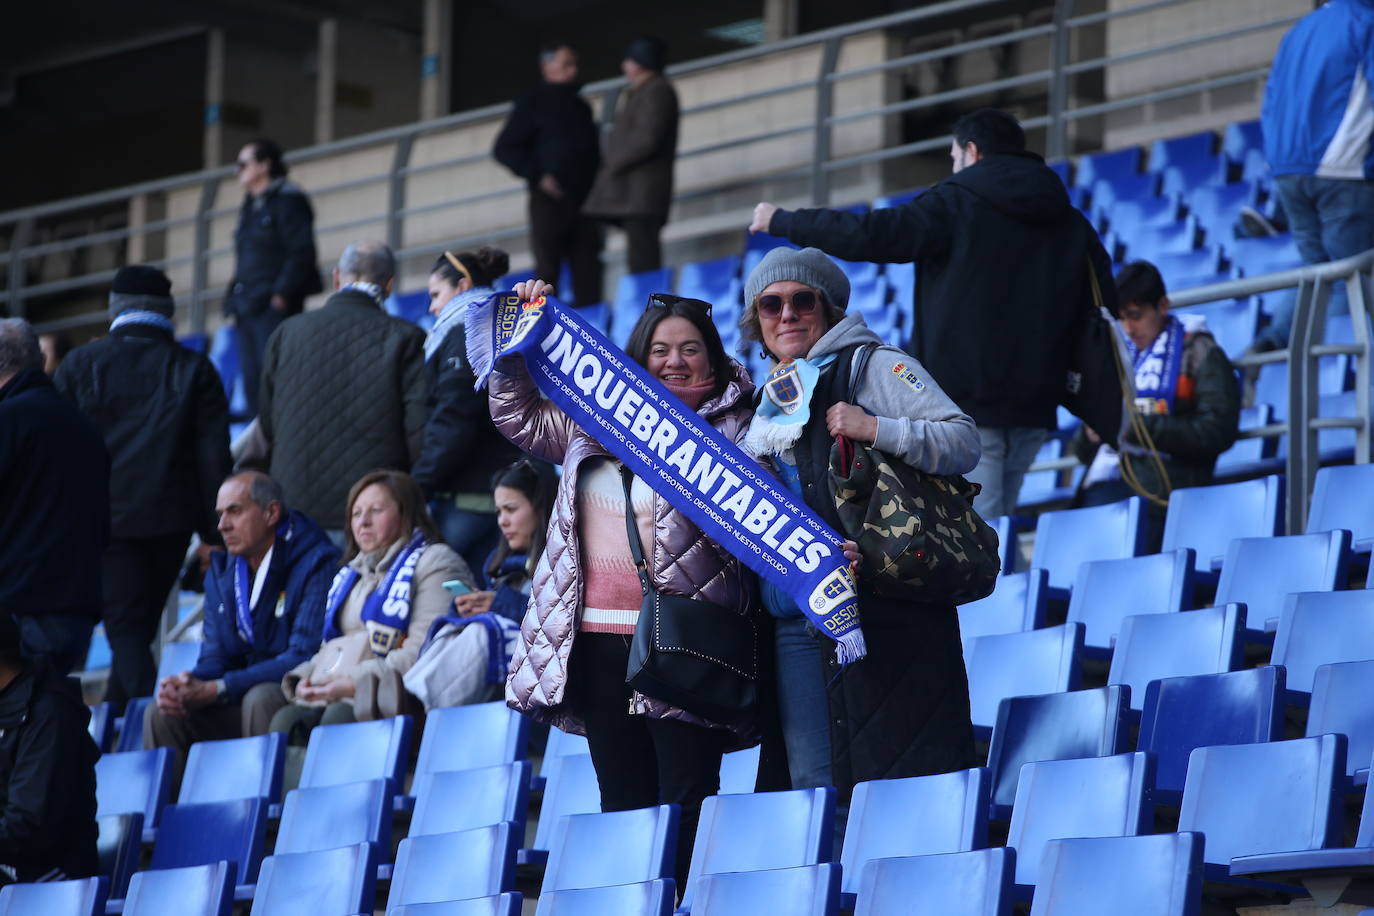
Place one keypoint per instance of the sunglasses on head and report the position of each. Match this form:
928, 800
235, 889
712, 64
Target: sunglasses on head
803, 302
664, 300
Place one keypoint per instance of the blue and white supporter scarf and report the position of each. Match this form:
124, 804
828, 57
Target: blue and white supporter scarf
243, 584
142, 316
386, 612
1157, 369
451, 316
704, 475
502, 637
371, 289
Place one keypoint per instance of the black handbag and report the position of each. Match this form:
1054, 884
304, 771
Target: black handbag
696, 655
1092, 389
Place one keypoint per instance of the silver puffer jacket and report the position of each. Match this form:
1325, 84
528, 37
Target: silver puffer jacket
682, 560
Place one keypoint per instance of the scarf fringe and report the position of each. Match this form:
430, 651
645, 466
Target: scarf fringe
851, 647
477, 328
768, 438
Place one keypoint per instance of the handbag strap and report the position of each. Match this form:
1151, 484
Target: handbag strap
632, 531
858, 365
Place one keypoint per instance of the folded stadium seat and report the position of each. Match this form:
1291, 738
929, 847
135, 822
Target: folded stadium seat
336, 880
84, 897
1260, 572
357, 752
758, 245
453, 866
1143, 876
1107, 191
1108, 591
1184, 150
228, 831
130, 724
1323, 628
1257, 256
644, 898
508, 904
462, 799
1088, 797
1020, 664
342, 815
1233, 324
1041, 487
1125, 217
1155, 646
739, 771
101, 726
1191, 269
887, 201
1008, 529
916, 816
1271, 386
807, 890
1340, 706
1064, 169
1180, 179
1070, 537
1122, 163
1055, 726
1255, 167
195, 890
1343, 497
598, 316
478, 735
134, 781
959, 884
1206, 519
1149, 243
760, 831
1239, 138
1249, 456
1253, 799
118, 848
1203, 710
617, 847
1017, 604
716, 281
234, 768
560, 744
412, 306
1217, 208
571, 789
631, 296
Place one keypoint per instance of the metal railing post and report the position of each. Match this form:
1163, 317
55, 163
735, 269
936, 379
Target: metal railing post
22, 238
396, 192
1357, 293
825, 104
1309, 319
200, 265
1056, 135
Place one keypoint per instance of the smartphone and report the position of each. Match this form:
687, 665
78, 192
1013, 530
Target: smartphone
457, 587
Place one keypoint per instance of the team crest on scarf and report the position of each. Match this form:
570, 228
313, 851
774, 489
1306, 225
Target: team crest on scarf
784, 387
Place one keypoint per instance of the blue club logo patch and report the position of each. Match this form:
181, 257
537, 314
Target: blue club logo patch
784, 388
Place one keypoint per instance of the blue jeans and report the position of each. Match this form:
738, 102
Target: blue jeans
803, 709
472, 535
1007, 452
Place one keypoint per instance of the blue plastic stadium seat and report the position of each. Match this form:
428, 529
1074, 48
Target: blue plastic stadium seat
101, 726
338, 880
1323, 628
571, 789
341, 815
1020, 664
1154, 646
1207, 519
1254, 257
1055, 726
118, 848
1340, 706
1064, 169
1182, 713
1117, 164
1140, 875
1070, 537
1248, 456
1008, 529
1190, 269
357, 751
195, 890
739, 771
598, 315
1271, 387
231, 831
83, 897
1217, 207
463, 799
1210, 170
717, 282
1017, 604
1041, 487
1233, 324
1151, 242
479, 735
644, 898
1093, 796
959, 884
887, 201
1260, 571
617, 847
131, 725
178, 657
1343, 497
760, 831
1175, 151
560, 744
453, 866
410, 306
1239, 138
631, 295
1107, 192
508, 904
134, 781
900, 280
1108, 591
916, 816
1250, 799
807, 890
1127, 216
235, 768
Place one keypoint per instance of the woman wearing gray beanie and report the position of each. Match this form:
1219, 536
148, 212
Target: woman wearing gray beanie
903, 710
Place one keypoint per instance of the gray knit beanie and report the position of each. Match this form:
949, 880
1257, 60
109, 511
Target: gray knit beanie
810, 266
143, 288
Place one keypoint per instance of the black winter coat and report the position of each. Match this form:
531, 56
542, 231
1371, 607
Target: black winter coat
274, 248
54, 501
47, 768
343, 392
550, 131
162, 411
1001, 280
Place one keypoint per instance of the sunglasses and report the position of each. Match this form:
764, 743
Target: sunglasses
664, 301
803, 302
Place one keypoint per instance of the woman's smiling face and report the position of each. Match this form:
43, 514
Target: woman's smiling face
677, 354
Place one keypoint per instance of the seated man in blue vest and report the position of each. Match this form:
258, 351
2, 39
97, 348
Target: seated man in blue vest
264, 613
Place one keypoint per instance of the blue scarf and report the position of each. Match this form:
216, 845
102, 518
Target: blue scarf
1157, 369
386, 612
143, 316
700, 472
243, 583
451, 316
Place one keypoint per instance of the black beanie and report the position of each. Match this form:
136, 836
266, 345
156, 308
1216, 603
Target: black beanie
648, 52
139, 286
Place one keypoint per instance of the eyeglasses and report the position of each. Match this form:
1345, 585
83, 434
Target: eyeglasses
664, 301
803, 302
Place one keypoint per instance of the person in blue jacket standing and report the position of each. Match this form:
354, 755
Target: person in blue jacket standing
264, 613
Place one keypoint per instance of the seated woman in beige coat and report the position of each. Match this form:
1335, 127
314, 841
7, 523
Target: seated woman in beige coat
379, 609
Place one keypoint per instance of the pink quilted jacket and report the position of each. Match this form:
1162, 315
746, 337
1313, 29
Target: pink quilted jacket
682, 560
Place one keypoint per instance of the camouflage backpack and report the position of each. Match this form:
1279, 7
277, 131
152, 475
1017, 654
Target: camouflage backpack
918, 534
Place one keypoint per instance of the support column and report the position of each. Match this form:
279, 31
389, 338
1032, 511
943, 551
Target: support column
325, 80
436, 63
781, 19
214, 98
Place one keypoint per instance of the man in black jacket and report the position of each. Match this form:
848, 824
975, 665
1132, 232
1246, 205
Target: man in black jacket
550, 140
162, 411
55, 513
276, 266
1002, 283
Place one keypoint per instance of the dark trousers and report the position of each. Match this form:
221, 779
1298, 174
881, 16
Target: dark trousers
137, 575
641, 762
58, 640
559, 232
642, 248
251, 333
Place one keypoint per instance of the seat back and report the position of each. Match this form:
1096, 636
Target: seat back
1343, 497
1340, 706
1020, 664
101, 726
560, 744
462, 799
508, 904
617, 847
1155, 646
1281, 796
453, 866
338, 880
1143, 876
644, 898
917, 816
1008, 529
117, 849
231, 831
763, 830
83, 897
134, 781
739, 771
1207, 519
1108, 591
357, 751
130, 736
195, 890
326, 817
1096, 796
807, 890
1070, 537
571, 789
1017, 604
177, 657
1322, 628
466, 737
960, 884
236, 768
1203, 710
1055, 726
